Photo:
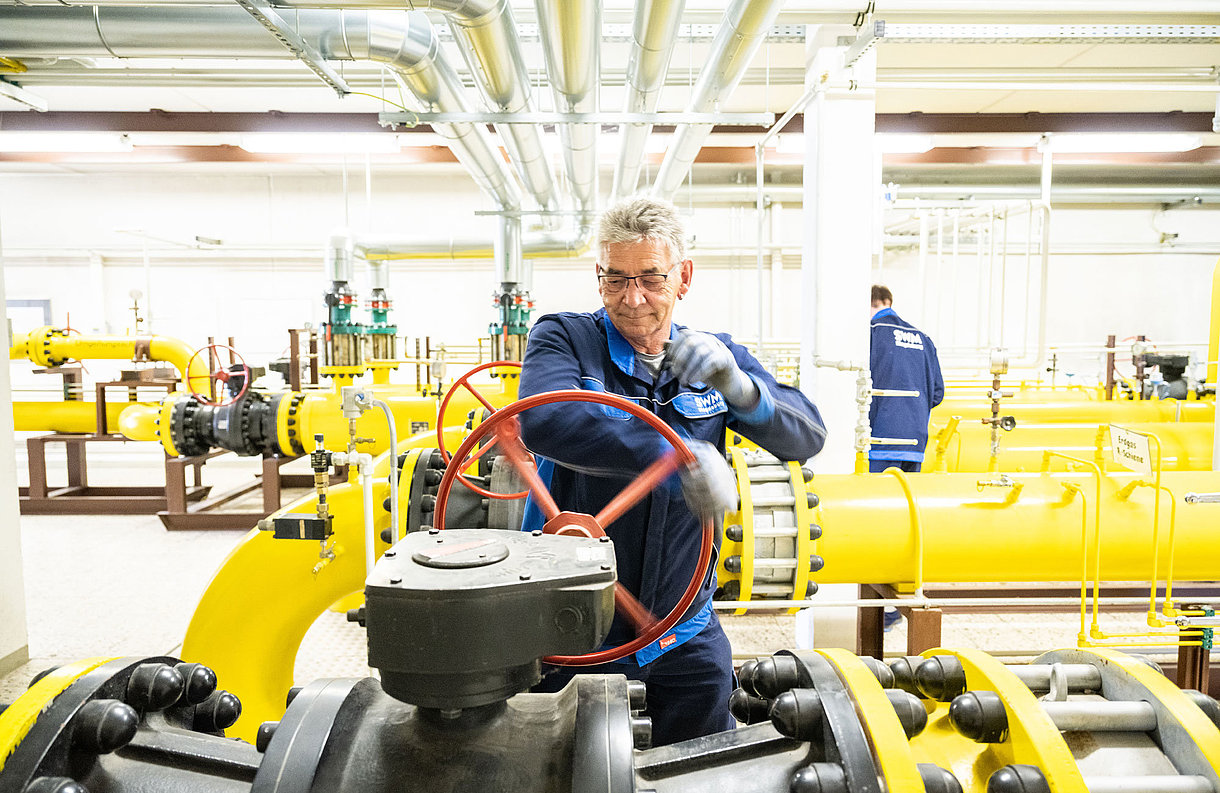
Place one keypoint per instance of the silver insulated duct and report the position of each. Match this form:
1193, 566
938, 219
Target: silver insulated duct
570, 31
745, 27
653, 33
406, 42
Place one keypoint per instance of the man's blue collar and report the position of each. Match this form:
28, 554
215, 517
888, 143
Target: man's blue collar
621, 351
885, 312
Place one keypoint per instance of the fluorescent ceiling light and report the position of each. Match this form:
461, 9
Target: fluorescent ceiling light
893, 143
64, 142
1125, 142
320, 143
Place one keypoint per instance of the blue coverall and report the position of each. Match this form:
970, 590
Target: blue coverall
589, 452
901, 358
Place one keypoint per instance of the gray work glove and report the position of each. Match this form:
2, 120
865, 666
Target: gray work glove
710, 487
702, 358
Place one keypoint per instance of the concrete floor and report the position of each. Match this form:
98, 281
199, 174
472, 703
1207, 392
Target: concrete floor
123, 585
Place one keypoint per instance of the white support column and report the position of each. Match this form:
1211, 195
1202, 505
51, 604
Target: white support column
835, 270
14, 646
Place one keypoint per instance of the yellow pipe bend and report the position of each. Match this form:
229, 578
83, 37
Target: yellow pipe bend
250, 621
49, 346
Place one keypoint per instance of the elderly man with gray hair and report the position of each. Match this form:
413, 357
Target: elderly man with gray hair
701, 384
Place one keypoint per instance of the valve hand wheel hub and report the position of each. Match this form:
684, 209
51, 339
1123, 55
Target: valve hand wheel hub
220, 375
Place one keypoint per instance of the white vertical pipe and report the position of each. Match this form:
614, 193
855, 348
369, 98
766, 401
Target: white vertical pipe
923, 262
979, 241
955, 269
938, 283
991, 285
777, 266
1045, 251
761, 218
1002, 297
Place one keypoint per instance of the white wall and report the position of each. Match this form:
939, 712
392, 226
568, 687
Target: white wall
1105, 277
14, 650
267, 276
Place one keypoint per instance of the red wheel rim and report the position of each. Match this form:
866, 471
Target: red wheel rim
223, 375
440, 426
650, 628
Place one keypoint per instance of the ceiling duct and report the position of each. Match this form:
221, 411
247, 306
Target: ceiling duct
745, 27
571, 31
654, 31
405, 42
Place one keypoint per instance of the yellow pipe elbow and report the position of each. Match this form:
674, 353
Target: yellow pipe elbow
139, 422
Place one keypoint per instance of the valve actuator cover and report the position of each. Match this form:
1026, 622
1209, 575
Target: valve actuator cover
462, 618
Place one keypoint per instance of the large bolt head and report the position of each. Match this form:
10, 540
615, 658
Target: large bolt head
798, 714
775, 675
217, 713
103, 725
909, 710
154, 687
819, 778
1018, 779
941, 677
200, 683
980, 716
748, 709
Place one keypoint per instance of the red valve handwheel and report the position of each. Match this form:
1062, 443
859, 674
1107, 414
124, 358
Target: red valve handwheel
221, 374
508, 437
440, 426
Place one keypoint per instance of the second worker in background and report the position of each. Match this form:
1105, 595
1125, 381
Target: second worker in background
901, 358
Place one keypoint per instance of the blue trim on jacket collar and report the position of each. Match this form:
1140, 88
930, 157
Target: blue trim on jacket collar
885, 312
621, 351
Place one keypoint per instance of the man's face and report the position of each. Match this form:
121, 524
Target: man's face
642, 313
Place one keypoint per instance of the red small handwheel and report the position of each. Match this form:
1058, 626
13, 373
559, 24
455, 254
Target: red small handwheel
508, 438
440, 426
221, 375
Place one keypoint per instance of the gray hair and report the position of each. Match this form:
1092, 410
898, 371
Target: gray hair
643, 218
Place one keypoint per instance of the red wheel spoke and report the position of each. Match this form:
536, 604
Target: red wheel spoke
222, 375
482, 399
484, 449
632, 610
512, 448
644, 484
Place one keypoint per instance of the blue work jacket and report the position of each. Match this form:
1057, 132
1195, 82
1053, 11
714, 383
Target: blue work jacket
590, 452
902, 358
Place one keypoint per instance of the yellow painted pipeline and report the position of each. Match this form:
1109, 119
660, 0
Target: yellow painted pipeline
71, 416
1119, 411
49, 346
1012, 527
1187, 445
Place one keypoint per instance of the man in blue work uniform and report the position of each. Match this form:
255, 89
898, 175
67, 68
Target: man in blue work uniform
904, 359
704, 384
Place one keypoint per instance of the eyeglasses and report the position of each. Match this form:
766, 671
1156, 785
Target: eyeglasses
653, 282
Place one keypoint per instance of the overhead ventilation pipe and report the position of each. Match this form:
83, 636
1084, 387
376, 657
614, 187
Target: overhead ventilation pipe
571, 31
406, 43
654, 30
745, 27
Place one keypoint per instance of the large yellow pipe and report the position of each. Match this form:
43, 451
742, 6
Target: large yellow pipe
1077, 412
1186, 446
975, 531
48, 346
70, 416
